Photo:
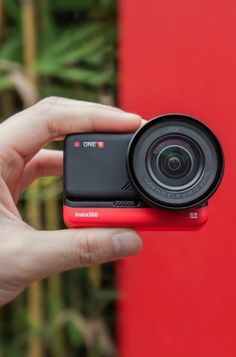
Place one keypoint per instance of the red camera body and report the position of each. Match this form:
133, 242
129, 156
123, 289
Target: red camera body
140, 219
159, 178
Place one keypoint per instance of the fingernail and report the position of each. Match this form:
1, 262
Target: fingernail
126, 243
132, 115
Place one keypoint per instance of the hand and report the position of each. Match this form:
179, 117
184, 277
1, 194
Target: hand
27, 255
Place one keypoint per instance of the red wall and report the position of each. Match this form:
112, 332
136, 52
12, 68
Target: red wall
179, 294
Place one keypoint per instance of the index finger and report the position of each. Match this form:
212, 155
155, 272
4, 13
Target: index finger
28, 131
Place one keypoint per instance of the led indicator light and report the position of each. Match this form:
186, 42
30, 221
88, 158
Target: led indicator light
76, 144
100, 144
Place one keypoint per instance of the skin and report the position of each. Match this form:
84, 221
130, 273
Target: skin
28, 255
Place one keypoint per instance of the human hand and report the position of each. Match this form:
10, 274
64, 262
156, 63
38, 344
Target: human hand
27, 255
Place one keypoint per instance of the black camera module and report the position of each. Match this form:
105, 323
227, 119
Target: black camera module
175, 161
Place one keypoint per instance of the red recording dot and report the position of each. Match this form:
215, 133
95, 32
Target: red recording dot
100, 144
76, 144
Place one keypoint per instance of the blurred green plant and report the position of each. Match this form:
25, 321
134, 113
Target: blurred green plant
76, 58
76, 47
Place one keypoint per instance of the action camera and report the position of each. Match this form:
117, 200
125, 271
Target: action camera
160, 177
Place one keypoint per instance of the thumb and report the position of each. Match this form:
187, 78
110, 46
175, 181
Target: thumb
56, 251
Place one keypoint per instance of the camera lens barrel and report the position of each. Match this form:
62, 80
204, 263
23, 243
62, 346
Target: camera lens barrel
175, 161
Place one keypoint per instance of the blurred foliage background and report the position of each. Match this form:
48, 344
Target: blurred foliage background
59, 48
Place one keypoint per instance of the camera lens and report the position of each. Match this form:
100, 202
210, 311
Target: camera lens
175, 161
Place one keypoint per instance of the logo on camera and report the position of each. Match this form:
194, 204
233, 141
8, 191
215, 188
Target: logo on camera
91, 214
94, 144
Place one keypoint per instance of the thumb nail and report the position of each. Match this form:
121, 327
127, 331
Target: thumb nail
126, 243
132, 115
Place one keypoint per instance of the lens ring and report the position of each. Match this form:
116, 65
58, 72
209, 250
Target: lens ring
211, 162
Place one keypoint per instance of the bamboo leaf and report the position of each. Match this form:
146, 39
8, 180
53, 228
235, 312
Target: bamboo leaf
89, 77
82, 51
74, 333
11, 49
66, 40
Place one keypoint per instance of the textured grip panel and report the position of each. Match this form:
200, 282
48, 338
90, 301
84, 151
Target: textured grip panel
95, 167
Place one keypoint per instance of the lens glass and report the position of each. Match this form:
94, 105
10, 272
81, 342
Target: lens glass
175, 162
